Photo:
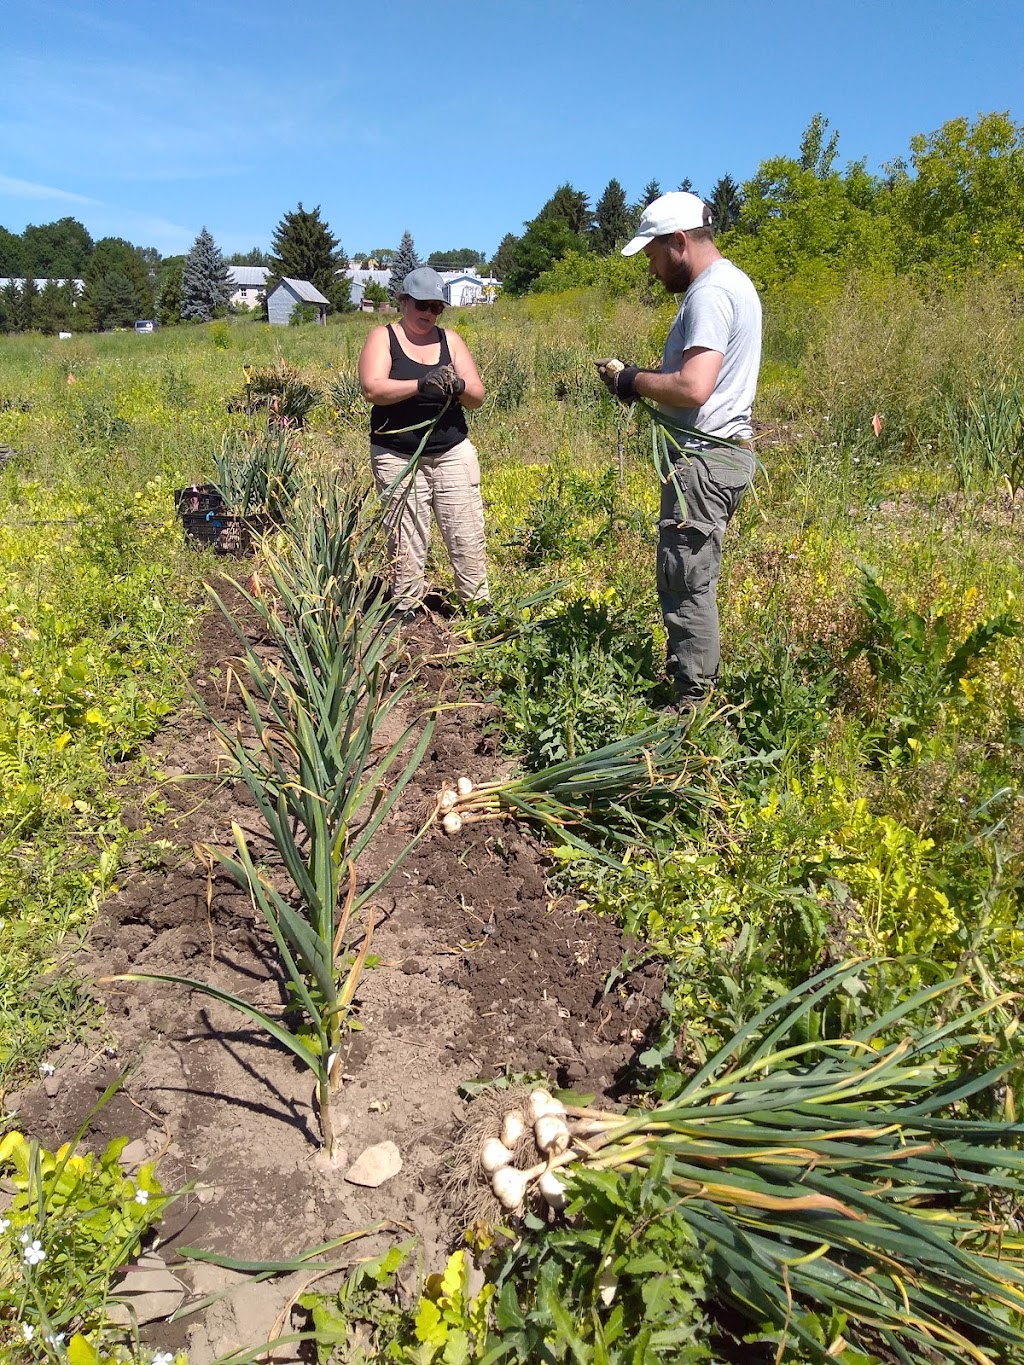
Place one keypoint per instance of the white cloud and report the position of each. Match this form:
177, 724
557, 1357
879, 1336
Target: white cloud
28, 189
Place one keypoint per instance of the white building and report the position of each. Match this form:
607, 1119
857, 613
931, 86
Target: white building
248, 282
463, 288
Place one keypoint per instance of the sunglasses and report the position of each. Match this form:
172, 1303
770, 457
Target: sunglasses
427, 307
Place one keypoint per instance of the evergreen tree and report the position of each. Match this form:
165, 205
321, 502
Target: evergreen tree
572, 206
504, 258
404, 260
725, 202
304, 248
113, 302
651, 191
613, 224
100, 303
171, 294
28, 299
10, 305
686, 185
205, 286
55, 307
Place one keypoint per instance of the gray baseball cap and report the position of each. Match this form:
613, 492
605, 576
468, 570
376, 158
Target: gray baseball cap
423, 284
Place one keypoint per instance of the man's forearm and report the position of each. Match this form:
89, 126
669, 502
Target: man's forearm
674, 390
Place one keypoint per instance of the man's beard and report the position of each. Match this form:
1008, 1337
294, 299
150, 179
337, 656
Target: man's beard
679, 279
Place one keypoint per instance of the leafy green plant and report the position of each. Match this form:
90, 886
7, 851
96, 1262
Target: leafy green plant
626, 1289
572, 677
914, 658
72, 1222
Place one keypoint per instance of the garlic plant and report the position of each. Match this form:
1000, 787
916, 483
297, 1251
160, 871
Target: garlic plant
313, 768
841, 1178
593, 801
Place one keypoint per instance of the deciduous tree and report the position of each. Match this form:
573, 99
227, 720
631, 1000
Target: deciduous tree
57, 251
461, 258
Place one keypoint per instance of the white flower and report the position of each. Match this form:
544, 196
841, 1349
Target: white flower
163, 1358
5, 1223
55, 1339
142, 1196
46, 1068
27, 1331
34, 1254
24, 1238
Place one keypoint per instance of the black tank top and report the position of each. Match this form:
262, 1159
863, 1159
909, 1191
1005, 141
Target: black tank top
387, 421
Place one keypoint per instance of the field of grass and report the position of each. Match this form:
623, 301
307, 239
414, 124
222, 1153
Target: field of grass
865, 749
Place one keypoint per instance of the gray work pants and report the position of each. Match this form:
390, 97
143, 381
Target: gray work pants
446, 486
698, 497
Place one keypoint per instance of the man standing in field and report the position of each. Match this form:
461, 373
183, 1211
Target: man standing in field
706, 384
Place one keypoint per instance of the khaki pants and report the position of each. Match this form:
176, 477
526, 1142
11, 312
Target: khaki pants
447, 485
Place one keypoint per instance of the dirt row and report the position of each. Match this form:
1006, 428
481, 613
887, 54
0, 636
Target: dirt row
481, 972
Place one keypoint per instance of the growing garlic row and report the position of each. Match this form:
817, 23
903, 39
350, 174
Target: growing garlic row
551, 1137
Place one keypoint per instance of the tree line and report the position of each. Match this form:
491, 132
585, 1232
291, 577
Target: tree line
955, 201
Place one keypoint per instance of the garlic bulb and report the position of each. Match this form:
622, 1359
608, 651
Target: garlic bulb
452, 823
513, 1126
540, 1103
493, 1155
509, 1186
448, 799
553, 1191
464, 786
551, 1134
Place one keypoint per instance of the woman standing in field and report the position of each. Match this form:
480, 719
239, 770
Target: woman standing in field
416, 373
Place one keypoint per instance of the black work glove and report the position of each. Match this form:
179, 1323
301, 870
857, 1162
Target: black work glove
441, 382
619, 379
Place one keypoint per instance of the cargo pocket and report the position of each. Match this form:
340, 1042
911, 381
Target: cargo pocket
688, 558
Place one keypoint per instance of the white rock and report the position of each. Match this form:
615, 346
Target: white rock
375, 1165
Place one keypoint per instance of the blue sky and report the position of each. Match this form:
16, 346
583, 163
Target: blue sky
149, 119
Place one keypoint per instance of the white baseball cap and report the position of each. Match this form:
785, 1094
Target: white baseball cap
675, 212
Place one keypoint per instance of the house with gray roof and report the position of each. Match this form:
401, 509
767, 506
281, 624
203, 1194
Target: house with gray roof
287, 295
248, 282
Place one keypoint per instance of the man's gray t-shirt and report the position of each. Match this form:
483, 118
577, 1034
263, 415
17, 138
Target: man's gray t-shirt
722, 312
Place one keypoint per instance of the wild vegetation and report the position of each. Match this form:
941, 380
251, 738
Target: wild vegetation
819, 1160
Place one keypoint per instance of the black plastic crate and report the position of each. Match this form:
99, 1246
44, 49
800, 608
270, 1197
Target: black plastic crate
201, 497
223, 532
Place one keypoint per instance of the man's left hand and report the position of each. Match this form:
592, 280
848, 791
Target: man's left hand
619, 379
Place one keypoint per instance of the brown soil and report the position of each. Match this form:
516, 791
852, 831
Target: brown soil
481, 971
